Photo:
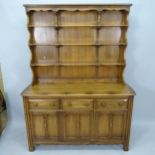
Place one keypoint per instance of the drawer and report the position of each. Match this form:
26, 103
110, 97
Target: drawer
43, 104
77, 104
112, 104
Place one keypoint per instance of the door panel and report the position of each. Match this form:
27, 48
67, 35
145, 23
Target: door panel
52, 122
44, 125
101, 125
109, 125
70, 125
85, 125
38, 127
77, 125
118, 125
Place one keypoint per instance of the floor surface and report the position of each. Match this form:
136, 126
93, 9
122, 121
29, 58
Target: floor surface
13, 142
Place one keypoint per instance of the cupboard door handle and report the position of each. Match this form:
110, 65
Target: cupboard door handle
45, 125
45, 122
52, 105
103, 105
35, 104
120, 104
111, 121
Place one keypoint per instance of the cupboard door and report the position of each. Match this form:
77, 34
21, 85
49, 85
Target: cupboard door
101, 125
52, 126
109, 125
118, 125
44, 125
77, 125
38, 125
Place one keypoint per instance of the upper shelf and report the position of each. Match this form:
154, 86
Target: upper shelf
71, 44
75, 18
59, 26
79, 64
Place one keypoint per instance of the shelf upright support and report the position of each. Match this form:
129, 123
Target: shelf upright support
58, 41
97, 41
32, 48
123, 39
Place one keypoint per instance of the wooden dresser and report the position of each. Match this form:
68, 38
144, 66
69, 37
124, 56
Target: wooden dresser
78, 95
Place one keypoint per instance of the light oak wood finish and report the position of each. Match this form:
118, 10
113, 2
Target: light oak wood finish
78, 94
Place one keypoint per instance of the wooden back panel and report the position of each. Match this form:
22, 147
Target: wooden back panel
80, 42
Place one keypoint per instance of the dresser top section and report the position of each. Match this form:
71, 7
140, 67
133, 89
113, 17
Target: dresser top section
74, 7
79, 41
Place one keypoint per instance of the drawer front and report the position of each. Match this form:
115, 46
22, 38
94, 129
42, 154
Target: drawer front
77, 104
111, 104
43, 104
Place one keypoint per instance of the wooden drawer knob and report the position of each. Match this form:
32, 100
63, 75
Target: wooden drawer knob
103, 105
120, 104
35, 104
69, 104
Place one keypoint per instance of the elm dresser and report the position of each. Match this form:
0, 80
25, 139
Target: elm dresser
78, 94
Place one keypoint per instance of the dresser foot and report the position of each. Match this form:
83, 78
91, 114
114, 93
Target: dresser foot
125, 147
31, 148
